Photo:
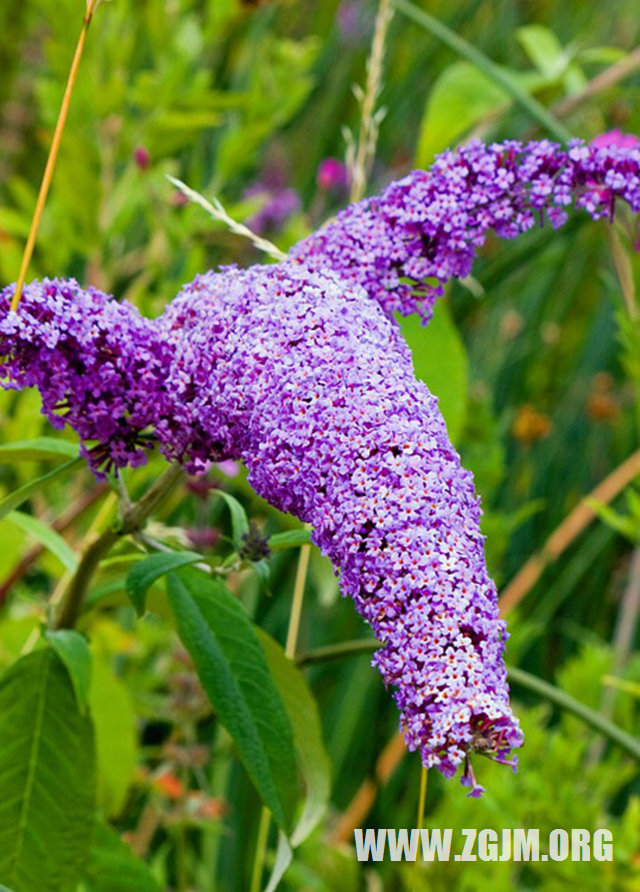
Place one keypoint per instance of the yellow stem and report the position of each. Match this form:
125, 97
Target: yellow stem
290, 651
368, 134
53, 154
296, 604
420, 821
261, 849
423, 796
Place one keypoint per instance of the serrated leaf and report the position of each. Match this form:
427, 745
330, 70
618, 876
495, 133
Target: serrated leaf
313, 760
116, 740
47, 777
239, 521
440, 360
18, 496
113, 867
46, 536
233, 670
289, 539
141, 577
36, 449
73, 650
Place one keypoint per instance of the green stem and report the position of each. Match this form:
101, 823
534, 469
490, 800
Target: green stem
463, 48
290, 651
261, 849
338, 651
517, 676
99, 547
585, 713
296, 603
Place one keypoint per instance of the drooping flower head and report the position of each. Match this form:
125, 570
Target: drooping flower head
299, 370
310, 383
403, 246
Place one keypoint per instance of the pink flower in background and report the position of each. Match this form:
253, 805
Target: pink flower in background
351, 21
142, 157
332, 175
615, 138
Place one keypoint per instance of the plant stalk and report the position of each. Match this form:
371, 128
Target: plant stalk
53, 155
99, 546
569, 529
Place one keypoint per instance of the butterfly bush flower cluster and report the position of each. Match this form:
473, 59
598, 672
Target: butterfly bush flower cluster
299, 370
98, 365
404, 245
308, 381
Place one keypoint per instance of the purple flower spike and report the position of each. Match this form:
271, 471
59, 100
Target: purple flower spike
403, 246
310, 383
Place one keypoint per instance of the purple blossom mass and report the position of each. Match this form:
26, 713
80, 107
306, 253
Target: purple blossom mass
404, 245
98, 365
299, 370
314, 384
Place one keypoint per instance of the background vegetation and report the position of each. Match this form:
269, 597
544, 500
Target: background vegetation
535, 360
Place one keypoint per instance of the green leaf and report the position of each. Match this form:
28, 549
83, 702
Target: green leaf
46, 536
141, 577
113, 867
116, 740
239, 521
234, 673
73, 650
47, 777
18, 496
543, 48
289, 539
440, 360
626, 525
552, 60
603, 55
621, 684
37, 449
500, 76
460, 98
284, 856
569, 704
12, 222
313, 760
